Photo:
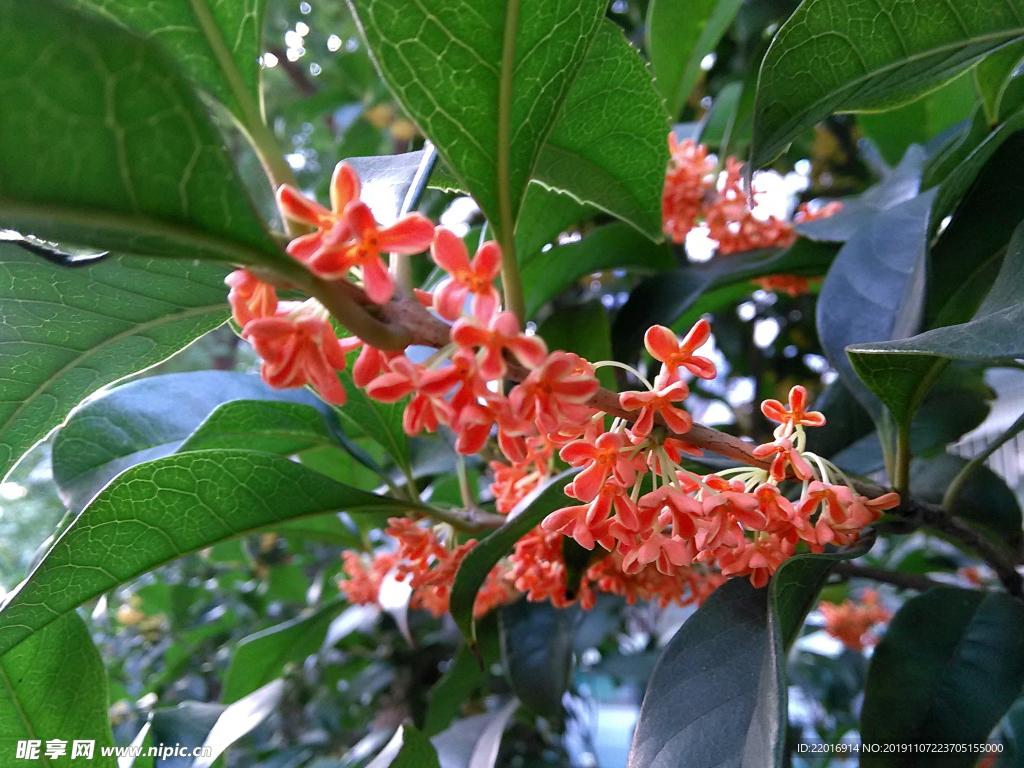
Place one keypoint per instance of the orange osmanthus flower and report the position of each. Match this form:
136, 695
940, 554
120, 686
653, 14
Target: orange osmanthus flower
474, 279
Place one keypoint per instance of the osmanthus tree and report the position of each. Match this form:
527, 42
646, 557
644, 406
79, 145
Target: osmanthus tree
479, 434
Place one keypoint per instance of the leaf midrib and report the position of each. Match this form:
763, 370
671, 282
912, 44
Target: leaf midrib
134, 330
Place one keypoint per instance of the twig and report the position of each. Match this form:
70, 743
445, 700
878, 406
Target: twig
902, 580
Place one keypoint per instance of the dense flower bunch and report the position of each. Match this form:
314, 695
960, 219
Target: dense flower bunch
695, 193
851, 621
658, 531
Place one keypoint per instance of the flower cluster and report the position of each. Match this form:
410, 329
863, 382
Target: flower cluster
657, 530
694, 194
851, 621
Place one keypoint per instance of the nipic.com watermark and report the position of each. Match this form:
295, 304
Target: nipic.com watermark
85, 749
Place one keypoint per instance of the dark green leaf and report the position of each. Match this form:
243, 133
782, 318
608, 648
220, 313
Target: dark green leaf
846, 421
409, 748
68, 332
843, 55
950, 665
665, 297
186, 724
218, 44
615, 245
467, 674
679, 35
718, 694
142, 421
537, 649
895, 130
382, 422
608, 147
156, 512
53, 686
549, 213
104, 144
328, 529
985, 498
485, 82
582, 329
997, 81
968, 255
261, 657
527, 514
900, 372
875, 288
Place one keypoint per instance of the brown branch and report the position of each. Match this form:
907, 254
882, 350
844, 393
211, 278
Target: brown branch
902, 580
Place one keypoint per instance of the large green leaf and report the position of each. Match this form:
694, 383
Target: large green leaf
283, 428
853, 55
966, 259
582, 329
537, 650
949, 666
680, 34
875, 288
608, 147
616, 245
901, 372
665, 297
217, 43
261, 657
409, 748
485, 81
53, 686
718, 694
103, 143
68, 332
998, 82
157, 512
478, 562
549, 213
466, 675
146, 420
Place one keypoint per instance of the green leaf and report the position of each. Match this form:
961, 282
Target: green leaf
614, 245
145, 420
240, 718
485, 81
998, 83
217, 44
283, 428
537, 649
104, 144
261, 657
949, 666
679, 35
582, 329
895, 130
408, 748
966, 259
984, 499
608, 147
667, 296
186, 724
901, 372
53, 686
474, 568
863, 55
960, 178
549, 214
466, 675
875, 288
68, 332
157, 512
718, 694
